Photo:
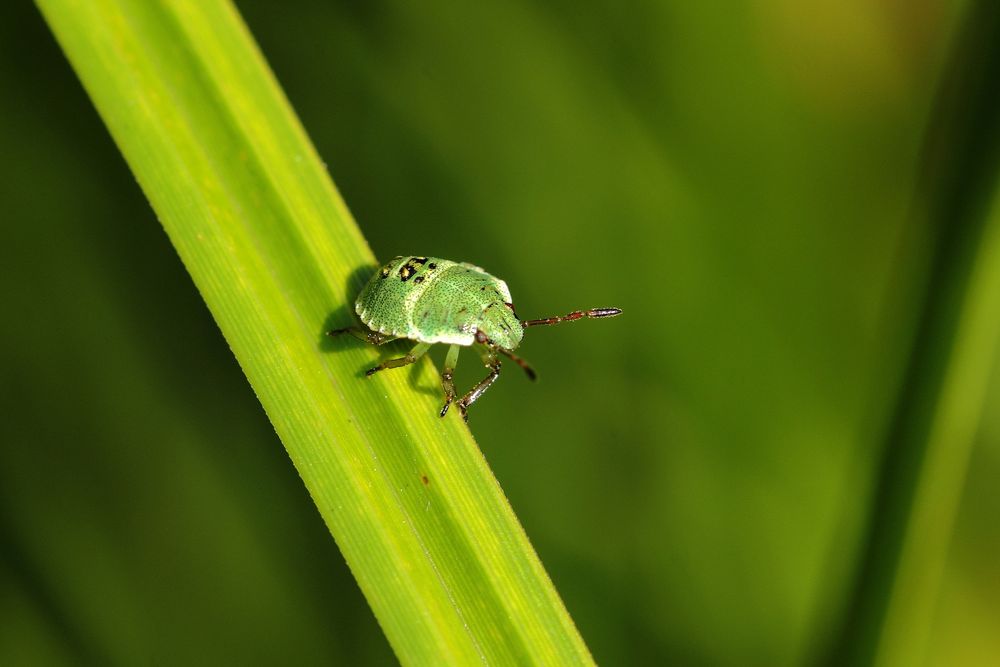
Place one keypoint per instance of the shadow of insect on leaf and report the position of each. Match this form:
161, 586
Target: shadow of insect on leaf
423, 388
344, 315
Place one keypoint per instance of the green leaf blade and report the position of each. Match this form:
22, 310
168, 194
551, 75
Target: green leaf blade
271, 246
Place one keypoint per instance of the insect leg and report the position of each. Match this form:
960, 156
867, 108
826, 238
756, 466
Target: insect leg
411, 356
494, 365
447, 377
364, 335
520, 362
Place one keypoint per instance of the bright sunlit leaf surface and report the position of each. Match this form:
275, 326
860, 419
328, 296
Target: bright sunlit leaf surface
274, 252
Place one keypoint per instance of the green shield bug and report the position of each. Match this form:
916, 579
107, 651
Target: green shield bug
432, 300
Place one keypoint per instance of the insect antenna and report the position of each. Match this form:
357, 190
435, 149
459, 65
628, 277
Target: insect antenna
575, 315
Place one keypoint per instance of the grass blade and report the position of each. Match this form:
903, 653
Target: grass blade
940, 401
257, 222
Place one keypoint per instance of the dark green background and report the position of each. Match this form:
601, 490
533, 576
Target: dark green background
695, 475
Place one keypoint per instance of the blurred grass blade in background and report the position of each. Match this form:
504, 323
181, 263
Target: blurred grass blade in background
252, 213
941, 397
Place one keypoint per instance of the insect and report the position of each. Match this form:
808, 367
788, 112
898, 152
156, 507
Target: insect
432, 300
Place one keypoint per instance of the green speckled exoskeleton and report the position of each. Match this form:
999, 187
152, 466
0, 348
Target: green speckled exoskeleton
432, 300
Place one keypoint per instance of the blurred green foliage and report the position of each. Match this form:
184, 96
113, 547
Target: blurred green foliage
696, 475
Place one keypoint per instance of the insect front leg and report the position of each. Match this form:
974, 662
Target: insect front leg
447, 378
364, 335
520, 362
491, 361
414, 354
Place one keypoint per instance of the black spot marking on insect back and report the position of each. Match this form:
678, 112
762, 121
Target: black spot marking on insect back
431, 266
418, 280
411, 267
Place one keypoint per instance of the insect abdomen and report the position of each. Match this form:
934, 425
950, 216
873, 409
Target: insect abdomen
449, 310
387, 302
